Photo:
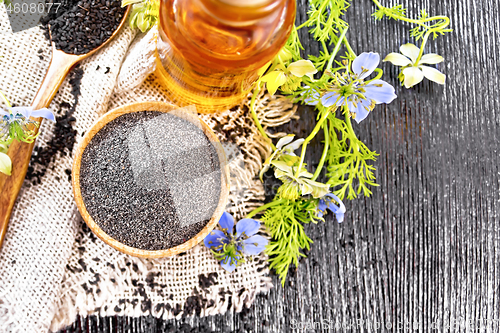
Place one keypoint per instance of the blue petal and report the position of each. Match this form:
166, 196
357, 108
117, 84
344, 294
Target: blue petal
322, 205
252, 249
25, 111
44, 113
329, 99
312, 100
340, 217
227, 222
319, 214
380, 91
248, 226
333, 208
229, 264
215, 238
336, 198
361, 110
341, 101
365, 61
338, 211
350, 105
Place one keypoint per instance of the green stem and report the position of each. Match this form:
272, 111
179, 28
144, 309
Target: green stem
264, 207
349, 48
320, 10
281, 63
256, 119
5, 99
419, 22
325, 152
426, 37
309, 138
430, 29
379, 72
354, 143
336, 49
302, 25
325, 47
422, 46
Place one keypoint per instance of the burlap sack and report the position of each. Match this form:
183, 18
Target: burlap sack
52, 268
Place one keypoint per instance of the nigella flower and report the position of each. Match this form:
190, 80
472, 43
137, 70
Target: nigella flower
331, 202
27, 112
230, 247
349, 89
413, 72
285, 150
144, 13
15, 123
290, 78
294, 185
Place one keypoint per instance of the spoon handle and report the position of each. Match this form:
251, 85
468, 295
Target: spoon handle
20, 152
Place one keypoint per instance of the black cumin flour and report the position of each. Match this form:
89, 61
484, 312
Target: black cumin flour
150, 180
79, 26
63, 138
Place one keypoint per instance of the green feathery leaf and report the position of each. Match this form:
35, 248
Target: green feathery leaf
285, 222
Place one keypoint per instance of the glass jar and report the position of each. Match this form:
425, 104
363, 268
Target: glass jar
210, 52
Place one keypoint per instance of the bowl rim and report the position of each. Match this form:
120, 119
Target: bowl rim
140, 107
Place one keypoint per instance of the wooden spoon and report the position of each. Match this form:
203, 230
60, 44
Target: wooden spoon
20, 152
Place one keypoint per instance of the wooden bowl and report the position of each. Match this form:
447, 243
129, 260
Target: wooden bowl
162, 107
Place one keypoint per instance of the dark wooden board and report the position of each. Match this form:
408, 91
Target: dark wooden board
424, 250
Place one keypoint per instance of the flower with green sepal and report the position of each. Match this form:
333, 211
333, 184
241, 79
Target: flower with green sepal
347, 158
288, 78
228, 247
285, 151
284, 220
413, 69
16, 124
144, 13
357, 96
332, 203
297, 182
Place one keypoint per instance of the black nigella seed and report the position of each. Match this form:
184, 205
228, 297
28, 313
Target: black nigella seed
64, 135
76, 24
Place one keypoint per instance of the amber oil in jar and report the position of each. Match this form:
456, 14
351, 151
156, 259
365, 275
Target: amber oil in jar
210, 51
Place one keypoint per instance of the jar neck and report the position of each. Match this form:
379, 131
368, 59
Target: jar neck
240, 12
246, 3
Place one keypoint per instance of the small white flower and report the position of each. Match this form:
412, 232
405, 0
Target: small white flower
294, 185
290, 78
413, 72
285, 146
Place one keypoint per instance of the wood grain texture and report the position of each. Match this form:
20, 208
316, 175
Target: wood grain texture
424, 250
20, 152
